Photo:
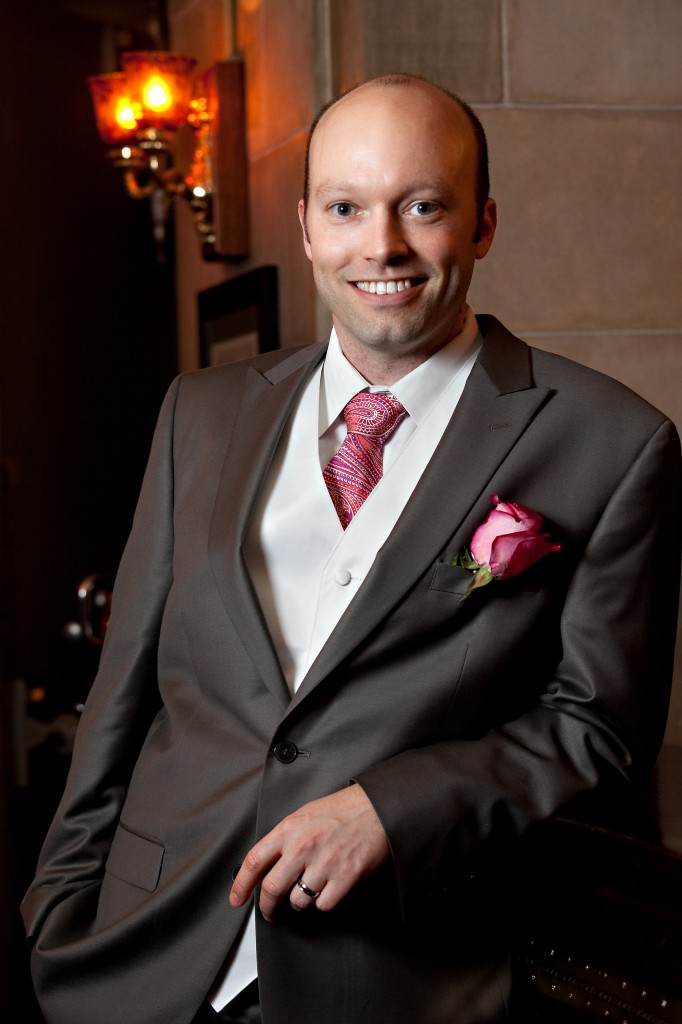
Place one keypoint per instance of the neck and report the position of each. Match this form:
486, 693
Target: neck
379, 366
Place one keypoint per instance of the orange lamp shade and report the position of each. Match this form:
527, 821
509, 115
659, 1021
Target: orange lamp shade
160, 86
116, 122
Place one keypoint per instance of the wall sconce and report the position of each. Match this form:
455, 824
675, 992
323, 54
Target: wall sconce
139, 111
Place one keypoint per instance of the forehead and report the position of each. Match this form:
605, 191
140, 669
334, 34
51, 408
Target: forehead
391, 131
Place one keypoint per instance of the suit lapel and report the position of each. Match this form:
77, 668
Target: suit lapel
452, 498
266, 403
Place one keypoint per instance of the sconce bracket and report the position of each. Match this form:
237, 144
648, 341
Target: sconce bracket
224, 89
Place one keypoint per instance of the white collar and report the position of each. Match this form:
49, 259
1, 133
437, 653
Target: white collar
418, 390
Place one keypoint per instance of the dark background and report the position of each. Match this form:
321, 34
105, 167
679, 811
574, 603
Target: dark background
87, 350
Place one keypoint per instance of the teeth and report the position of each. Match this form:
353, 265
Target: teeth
384, 287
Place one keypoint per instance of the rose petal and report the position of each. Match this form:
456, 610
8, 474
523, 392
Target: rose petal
514, 553
531, 520
498, 523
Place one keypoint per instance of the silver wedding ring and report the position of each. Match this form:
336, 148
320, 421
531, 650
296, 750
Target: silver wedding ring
307, 890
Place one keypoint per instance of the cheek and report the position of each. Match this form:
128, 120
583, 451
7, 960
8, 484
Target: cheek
331, 250
458, 266
328, 284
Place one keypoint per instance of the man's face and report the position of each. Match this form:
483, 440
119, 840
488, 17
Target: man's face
391, 219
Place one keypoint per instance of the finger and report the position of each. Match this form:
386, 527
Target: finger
304, 895
255, 866
333, 892
279, 885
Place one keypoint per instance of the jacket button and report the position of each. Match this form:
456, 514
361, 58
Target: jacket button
286, 751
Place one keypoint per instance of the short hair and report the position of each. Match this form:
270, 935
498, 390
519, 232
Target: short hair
405, 79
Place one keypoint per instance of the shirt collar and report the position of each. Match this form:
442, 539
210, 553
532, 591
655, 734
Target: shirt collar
417, 390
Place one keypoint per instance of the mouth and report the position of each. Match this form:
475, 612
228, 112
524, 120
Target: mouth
388, 287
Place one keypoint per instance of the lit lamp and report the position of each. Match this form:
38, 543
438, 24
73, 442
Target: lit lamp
139, 111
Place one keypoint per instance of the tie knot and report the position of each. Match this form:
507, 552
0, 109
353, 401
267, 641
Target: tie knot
374, 414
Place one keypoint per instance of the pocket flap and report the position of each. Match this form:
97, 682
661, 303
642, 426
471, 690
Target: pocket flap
452, 579
136, 859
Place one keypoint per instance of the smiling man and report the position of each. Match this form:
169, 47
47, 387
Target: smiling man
392, 224
321, 726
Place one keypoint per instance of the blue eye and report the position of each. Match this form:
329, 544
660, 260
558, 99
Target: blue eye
424, 207
342, 209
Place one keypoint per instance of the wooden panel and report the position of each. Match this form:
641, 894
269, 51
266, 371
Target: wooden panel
224, 85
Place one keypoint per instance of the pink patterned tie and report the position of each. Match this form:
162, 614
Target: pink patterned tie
356, 468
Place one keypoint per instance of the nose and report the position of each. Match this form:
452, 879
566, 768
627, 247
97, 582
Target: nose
384, 237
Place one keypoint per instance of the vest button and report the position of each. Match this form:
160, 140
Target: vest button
286, 752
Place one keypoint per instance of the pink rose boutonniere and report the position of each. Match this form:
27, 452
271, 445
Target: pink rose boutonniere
505, 545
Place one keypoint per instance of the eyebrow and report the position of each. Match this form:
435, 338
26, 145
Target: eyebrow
347, 187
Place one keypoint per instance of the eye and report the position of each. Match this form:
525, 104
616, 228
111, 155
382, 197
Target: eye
424, 208
342, 209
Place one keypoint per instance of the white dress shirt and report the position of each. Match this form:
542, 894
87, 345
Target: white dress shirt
305, 568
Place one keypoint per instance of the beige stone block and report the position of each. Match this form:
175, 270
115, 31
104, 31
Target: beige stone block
456, 44
590, 204
650, 364
582, 51
277, 238
201, 29
276, 40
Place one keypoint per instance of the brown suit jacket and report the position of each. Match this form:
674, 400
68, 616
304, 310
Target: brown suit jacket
465, 722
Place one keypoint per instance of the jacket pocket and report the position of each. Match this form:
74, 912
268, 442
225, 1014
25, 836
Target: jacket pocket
136, 859
451, 579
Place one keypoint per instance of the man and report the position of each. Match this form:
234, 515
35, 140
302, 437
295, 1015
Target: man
307, 726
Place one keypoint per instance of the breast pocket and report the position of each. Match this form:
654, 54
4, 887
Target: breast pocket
450, 579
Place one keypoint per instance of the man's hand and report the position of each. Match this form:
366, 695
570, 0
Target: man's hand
331, 844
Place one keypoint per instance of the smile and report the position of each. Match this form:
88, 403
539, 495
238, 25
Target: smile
384, 287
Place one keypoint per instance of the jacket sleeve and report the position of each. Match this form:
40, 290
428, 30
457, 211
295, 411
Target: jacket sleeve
600, 717
123, 700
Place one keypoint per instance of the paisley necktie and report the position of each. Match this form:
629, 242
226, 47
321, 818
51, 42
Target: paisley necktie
356, 469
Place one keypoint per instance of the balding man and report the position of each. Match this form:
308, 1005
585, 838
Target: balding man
331, 699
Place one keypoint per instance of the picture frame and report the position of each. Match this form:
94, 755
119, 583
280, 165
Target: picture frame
239, 318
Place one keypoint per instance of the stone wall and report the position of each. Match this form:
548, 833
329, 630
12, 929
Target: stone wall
582, 102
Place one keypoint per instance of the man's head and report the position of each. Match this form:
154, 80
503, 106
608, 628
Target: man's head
397, 80
395, 216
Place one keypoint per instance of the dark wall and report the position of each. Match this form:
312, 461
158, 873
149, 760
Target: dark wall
88, 342
87, 349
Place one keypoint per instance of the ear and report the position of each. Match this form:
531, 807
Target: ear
486, 229
304, 228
